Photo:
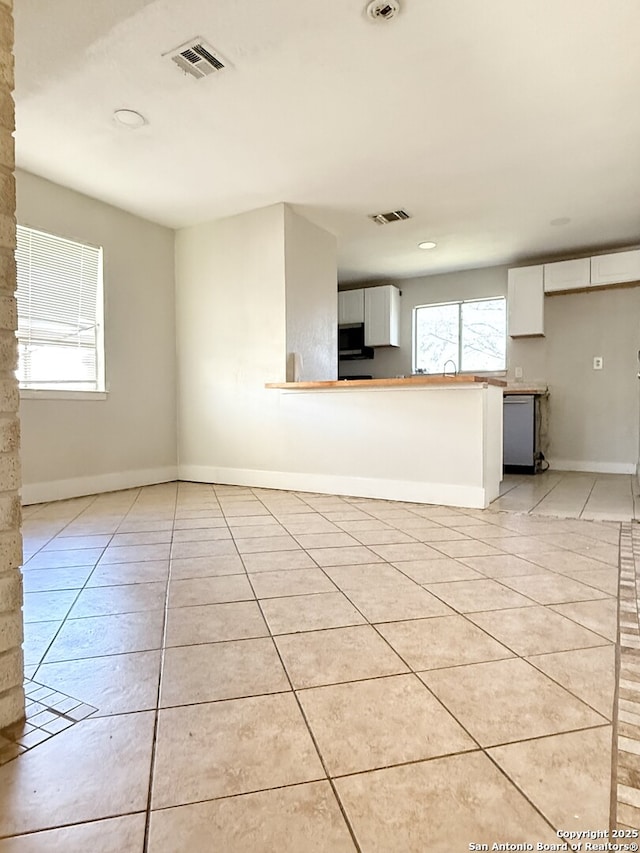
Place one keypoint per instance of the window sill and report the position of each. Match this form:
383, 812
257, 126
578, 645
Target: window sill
489, 374
51, 394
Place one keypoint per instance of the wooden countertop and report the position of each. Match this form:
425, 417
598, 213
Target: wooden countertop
406, 382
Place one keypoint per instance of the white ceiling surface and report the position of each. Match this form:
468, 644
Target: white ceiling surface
485, 120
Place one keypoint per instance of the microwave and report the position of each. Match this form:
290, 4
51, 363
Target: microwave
351, 342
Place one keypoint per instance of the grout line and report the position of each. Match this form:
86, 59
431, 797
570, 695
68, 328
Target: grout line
553, 678
593, 485
63, 622
311, 734
154, 744
32, 833
545, 496
454, 716
446, 709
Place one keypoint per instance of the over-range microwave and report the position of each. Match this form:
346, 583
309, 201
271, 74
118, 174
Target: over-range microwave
351, 342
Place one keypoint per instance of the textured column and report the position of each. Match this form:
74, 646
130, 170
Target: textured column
11, 661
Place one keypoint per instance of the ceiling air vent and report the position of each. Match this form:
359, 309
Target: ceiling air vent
197, 58
392, 216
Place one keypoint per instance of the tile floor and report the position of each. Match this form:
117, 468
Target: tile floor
290, 672
593, 497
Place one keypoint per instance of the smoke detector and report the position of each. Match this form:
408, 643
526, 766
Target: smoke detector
383, 10
197, 58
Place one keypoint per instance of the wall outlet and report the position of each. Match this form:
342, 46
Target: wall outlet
598, 362
518, 373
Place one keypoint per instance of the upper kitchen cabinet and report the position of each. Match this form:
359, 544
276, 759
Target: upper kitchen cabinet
351, 306
382, 316
567, 275
525, 301
615, 267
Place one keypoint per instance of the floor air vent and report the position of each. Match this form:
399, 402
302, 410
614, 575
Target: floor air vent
392, 216
197, 58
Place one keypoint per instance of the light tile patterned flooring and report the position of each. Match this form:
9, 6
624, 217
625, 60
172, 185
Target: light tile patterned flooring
291, 672
592, 497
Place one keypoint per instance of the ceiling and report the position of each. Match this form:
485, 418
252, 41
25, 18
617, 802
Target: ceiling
485, 121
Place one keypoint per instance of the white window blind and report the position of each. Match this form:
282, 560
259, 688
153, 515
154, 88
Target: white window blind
59, 312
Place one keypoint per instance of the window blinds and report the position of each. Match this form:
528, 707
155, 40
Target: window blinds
59, 310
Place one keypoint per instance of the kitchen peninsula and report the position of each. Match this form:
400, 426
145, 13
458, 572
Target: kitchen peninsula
431, 439
425, 439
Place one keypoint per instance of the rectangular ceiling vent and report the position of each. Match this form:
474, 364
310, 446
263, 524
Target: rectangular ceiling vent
392, 216
197, 58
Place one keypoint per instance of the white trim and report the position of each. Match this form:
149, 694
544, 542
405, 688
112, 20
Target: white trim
60, 394
55, 490
593, 467
364, 487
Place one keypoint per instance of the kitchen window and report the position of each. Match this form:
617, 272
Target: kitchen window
60, 343
471, 334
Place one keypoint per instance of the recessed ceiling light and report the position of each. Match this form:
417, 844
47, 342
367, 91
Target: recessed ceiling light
428, 244
562, 220
129, 118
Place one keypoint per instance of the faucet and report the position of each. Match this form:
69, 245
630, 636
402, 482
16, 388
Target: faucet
444, 369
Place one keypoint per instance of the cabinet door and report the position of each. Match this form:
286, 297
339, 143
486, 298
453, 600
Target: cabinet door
525, 301
382, 316
567, 275
618, 266
351, 306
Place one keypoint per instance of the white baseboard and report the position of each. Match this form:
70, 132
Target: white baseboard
593, 467
332, 484
56, 490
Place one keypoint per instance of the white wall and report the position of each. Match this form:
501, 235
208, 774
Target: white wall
593, 415
233, 320
231, 325
72, 447
311, 304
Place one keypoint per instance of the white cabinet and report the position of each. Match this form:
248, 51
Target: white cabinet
382, 316
525, 301
351, 306
615, 267
567, 275
525, 310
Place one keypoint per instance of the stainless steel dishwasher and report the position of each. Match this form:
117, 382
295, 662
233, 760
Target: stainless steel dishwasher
520, 439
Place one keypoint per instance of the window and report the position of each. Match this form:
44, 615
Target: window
59, 313
471, 334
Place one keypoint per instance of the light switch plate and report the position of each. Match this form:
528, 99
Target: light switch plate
518, 373
598, 362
